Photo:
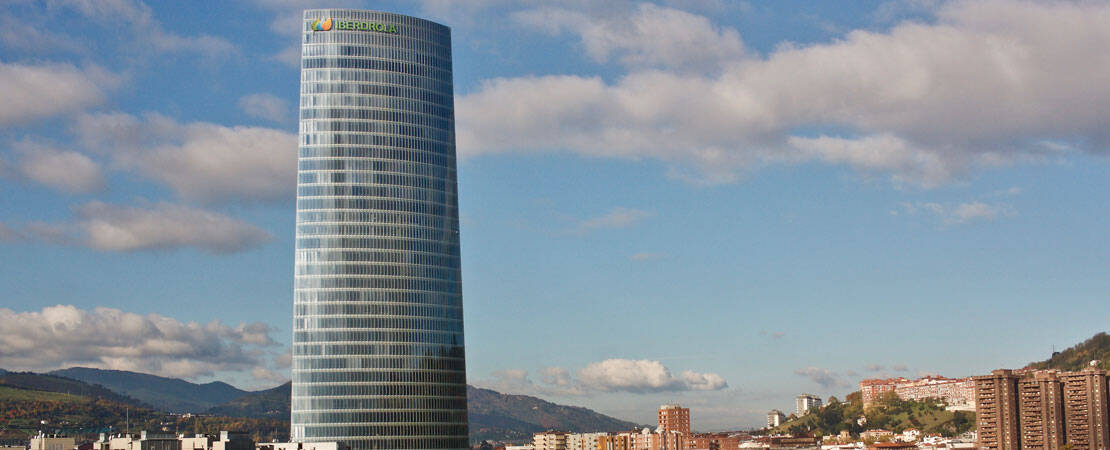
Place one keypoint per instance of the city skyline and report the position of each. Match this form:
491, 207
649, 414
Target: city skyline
716, 204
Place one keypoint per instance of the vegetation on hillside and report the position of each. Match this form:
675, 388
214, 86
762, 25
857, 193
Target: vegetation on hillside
1097, 348
889, 412
24, 412
514, 418
52, 383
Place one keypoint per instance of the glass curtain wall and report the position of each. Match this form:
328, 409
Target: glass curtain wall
378, 359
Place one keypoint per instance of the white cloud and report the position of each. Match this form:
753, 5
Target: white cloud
148, 32
199, 161
32, 92
645, 256
611, 375
556, 376
823, 377
161, 226
265, 106
24, 36
64, 336
627, 375
923, 103
66, 171
875, 368
647, 36
961, 213
290, 56
619, 217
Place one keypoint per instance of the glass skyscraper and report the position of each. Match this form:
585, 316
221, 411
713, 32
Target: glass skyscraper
377, 321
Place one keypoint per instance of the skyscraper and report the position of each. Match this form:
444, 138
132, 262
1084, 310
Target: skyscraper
378, 359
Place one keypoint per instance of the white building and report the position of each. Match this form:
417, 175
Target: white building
49, 442
806, 402
775, 418
582, 441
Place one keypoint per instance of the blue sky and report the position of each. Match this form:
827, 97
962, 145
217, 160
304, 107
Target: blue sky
720, 204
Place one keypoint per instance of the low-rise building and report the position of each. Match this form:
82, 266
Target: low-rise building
550, 440
52, 442
876, 435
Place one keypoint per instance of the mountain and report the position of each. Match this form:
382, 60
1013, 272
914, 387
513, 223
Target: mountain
166, 394
51, 383
493, 415
1097, 348
271, 404
507, 417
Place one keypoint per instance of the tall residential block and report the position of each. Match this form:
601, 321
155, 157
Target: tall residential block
996, 409
674, 418
1041, 411
378, 360
775, 418
806, 402
1085, 409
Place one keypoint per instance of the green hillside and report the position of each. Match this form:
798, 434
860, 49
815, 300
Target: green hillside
889, 413
25, 412
271, 404
507, 417
52, 383
69, 404
1097, 348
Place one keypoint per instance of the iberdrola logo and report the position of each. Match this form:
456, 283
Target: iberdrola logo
322, 25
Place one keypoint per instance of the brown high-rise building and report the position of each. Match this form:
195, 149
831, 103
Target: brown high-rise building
996, 410
1041, 408
675, 418
1085, 409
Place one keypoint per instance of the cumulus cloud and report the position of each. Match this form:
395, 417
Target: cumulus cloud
64, 335
648, 36
24, 36
922, 103
556, 376
959, 214
611, 375
66, 171
37, 91
160, 226
619, 217
643, 375
200, 161
823, 377
265, 106
149, 33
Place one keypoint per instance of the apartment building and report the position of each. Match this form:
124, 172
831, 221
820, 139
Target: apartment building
1041, 411
996, 409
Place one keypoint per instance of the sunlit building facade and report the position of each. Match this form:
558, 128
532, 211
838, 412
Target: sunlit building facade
378, 359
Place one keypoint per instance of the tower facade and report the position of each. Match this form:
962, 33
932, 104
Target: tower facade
675, 418
996, 410
378, 360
